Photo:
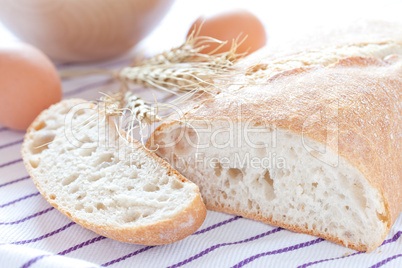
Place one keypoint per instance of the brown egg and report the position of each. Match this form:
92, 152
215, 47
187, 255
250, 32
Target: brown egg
230, 25
29, 83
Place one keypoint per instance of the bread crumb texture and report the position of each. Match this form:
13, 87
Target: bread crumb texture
84, 168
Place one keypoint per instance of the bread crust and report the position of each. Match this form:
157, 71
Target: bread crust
162, 232
294, 228
367, 92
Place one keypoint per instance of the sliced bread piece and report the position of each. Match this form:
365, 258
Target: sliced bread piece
82, 166
310, 142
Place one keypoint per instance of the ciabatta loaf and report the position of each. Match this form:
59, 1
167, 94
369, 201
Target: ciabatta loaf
84, 168
310, 142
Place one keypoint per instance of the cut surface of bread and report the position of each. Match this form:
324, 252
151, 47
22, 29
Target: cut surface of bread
310, 143
83, 167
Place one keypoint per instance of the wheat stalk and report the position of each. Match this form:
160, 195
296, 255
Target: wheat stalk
183, 71
183, 68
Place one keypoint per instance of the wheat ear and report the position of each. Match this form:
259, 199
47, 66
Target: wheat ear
183, 68
189, 51
123, 100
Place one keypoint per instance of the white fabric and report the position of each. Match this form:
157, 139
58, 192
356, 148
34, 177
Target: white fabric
33, 234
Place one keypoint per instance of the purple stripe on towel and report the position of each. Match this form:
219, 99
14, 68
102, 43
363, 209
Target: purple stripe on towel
381, 263
14, 181
10, 163
216, 225
99, 238
19, 199
393, 239
128, 256
28, 218
210, 249
86, 243
32, 261
278, 251
117, 63
113, 64
88, 87
396, 236
64, 252
3, 129
331, 259
44, 236
11, 144
149, 247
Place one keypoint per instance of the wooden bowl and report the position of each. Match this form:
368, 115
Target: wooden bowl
82, 30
